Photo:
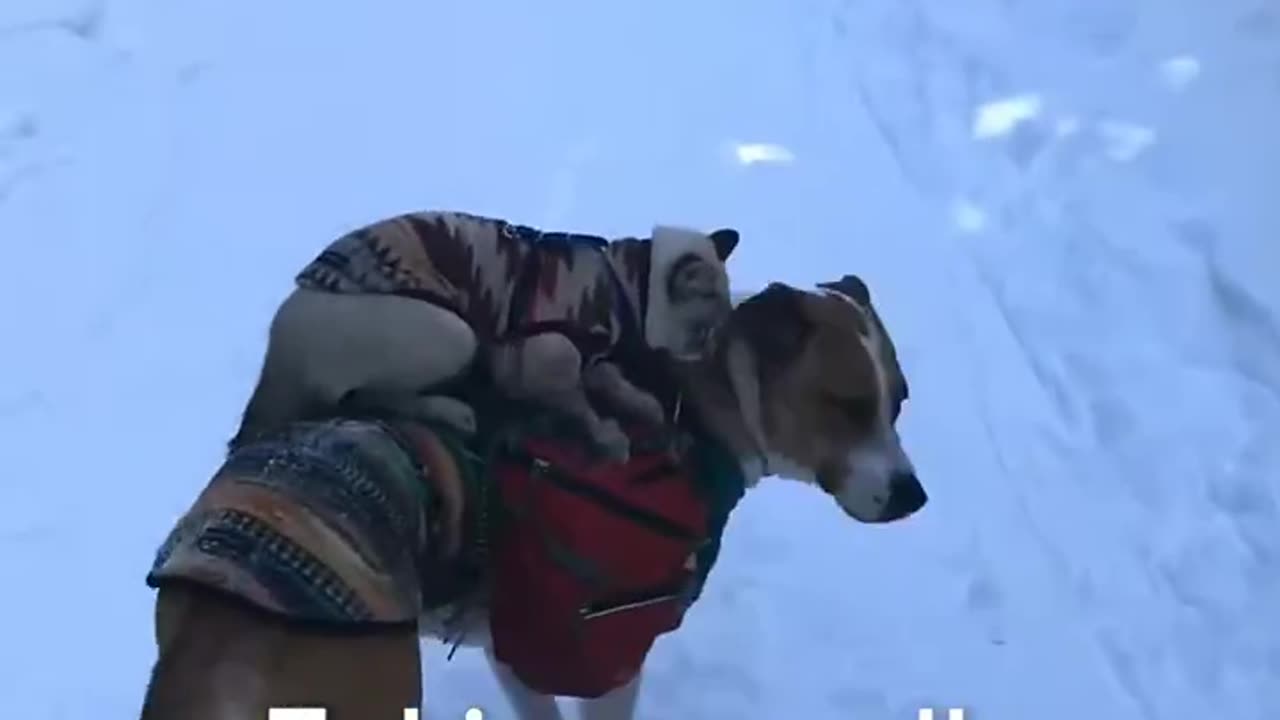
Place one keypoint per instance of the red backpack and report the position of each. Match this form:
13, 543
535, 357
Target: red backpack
595, 561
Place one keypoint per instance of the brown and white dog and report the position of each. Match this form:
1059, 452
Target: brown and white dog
803, 384
399, 307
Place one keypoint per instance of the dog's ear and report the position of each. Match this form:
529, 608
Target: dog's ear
850, 286
724, 240
774, 324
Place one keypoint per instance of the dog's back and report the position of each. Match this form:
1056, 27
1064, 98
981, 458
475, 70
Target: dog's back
503, 279
464, 263
396, 308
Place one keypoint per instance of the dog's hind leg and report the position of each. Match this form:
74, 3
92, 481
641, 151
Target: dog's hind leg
451, 411
219, 659
277, 397
617, 704
323, 346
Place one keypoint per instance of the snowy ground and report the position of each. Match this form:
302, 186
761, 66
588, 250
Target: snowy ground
1066, 210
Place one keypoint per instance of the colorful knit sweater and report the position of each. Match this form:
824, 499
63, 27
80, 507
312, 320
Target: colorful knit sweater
333, 522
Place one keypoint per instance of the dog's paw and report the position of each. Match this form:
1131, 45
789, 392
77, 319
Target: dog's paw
452, 412
650, 411
612, 441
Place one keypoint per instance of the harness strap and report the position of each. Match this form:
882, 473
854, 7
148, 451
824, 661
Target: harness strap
630, 314
526, 286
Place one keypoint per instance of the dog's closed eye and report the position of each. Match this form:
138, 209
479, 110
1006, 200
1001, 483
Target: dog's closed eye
859, 410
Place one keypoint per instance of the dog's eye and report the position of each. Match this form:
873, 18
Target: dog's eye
861, 411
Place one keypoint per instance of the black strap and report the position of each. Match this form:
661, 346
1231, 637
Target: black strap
539, 468
526, 285
632, 333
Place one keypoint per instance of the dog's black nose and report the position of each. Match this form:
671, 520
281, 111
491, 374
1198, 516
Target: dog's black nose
906, 496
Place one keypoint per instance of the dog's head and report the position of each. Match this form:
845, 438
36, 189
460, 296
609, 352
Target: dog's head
828, 392
688, 293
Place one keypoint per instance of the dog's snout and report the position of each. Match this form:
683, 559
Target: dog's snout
906, 496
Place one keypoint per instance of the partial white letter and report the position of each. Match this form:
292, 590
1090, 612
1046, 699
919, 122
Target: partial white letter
297, 714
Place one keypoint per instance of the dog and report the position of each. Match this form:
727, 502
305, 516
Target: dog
404, 305
803, 384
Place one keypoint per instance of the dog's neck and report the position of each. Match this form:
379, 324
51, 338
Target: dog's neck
718, 400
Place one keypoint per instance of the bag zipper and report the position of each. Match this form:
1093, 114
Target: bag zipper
598, 610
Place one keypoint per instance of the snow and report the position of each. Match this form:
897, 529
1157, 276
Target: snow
1065, 209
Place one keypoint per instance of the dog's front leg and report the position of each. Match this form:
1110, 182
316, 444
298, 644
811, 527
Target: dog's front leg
607, 435
527, 704
547, 368
617, 704
606, 380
